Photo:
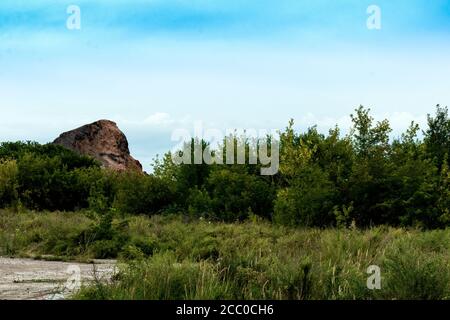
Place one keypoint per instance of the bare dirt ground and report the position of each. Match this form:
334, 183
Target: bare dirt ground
28, 279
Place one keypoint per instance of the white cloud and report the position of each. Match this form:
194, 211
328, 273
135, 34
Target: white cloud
158, 121
159, 118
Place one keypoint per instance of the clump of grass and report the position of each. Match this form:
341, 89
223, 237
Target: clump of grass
61, 235
162, 277
414, 272
29, 234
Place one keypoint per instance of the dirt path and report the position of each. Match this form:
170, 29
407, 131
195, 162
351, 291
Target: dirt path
27, 279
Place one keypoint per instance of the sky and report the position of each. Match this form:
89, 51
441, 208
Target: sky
154, 66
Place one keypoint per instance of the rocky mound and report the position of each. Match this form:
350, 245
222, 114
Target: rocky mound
103, 141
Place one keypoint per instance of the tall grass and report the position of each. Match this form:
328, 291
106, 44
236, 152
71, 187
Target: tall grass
168, 258
257, 260
28, 234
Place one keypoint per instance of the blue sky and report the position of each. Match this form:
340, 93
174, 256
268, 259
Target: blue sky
153, 65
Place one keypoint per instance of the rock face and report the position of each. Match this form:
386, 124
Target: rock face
103, 141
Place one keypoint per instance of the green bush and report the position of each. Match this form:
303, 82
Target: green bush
8, 183
142, 194
232, 195
16, 150
308, 201
47, 175
44, 183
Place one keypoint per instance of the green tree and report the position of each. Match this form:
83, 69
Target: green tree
8, 183
437, 136
306, 195
443, 202
142, 194
234, 193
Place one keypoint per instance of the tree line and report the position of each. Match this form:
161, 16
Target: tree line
363, 178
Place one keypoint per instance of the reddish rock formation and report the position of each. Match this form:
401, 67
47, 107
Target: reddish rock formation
103, 141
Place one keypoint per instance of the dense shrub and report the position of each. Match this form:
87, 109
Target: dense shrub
308, 201
142, 194
233, 195
363, 179
72, 160
45, 183
50, 177
47, 176
8, 182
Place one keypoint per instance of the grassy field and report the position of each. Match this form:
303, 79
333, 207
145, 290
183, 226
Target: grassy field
173, 258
